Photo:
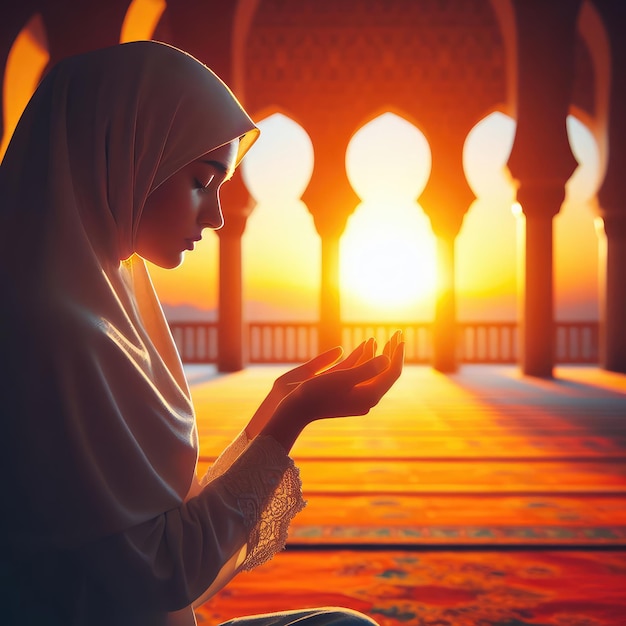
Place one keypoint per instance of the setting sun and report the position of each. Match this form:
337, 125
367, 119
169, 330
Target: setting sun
387, 259
388, 263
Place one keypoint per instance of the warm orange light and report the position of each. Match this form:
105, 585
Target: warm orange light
26, 61
141, 19
388, 263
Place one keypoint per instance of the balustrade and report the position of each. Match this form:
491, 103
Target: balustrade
295, 342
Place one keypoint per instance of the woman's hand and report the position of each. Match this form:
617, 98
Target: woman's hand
349, 387
286, 383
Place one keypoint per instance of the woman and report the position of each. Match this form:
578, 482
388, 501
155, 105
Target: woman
120, 156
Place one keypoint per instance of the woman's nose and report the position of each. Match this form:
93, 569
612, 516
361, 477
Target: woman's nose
211, 213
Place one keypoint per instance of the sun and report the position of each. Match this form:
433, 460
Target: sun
388, 262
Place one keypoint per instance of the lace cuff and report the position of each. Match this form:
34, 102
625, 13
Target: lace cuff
226, 458
266, 484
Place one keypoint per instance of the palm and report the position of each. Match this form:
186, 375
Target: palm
325, 375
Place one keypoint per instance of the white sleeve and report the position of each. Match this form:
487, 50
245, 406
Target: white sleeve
238, 521
226, 458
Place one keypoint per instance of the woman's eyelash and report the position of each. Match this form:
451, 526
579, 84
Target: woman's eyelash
201, 187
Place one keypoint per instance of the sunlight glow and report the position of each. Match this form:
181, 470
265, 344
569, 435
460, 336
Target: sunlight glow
486, 251
388, 262
576, 252
281, 262
26, 61
141, 20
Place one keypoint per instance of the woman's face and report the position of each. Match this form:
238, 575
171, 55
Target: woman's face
179, 209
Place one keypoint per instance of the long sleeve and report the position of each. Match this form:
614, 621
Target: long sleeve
238, 520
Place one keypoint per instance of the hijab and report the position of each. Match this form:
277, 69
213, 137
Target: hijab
97, 423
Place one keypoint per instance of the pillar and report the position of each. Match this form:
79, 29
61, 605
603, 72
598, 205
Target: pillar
236, 206
445, 200
541, 161
612, 199
613, 292
330, 199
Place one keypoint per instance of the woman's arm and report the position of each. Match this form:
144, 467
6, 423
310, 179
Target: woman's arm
168, 562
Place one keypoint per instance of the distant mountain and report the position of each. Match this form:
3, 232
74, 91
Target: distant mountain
188, 313
253, 311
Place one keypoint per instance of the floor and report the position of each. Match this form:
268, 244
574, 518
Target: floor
483, 460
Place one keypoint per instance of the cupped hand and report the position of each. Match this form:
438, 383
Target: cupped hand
285, 384
349, 387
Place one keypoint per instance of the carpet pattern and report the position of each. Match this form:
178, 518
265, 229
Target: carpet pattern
483, 498
436, 589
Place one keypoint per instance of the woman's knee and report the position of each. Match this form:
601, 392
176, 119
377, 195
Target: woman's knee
346, 617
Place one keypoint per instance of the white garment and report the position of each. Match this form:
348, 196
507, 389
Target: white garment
97, 421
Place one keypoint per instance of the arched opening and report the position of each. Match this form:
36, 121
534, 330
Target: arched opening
575, 241
486, 263
141, 19
281, 249
388, 269
25, 64
486, 246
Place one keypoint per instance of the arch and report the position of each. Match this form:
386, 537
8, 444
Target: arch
281, 247
595, 36
388, 262
27, 60
576, 256
486, 244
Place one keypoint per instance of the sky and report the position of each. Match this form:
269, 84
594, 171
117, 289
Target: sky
388, 249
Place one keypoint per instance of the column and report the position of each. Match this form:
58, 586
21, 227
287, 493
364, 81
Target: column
612, 199
445, 200
541, 161
330, 199
231, 347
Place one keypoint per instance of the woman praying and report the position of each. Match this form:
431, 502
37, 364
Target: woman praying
119, 157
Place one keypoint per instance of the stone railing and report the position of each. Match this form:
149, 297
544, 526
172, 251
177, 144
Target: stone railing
294, 342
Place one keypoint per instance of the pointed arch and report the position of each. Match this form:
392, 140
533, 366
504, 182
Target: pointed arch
387, 269
281, 246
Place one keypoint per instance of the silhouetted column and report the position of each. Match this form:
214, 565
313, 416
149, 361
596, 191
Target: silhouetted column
445, 200
231, 347
330, 301
76, 27
444, 334
541, 161
612, 199
330, 199
536, 287
613, 293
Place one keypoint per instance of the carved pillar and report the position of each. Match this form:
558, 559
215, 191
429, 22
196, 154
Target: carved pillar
236, 206
75, 27
330, 199
612, 200
445, 200
613, 291
541, 160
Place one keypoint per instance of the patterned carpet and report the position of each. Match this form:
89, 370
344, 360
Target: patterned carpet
482, 498
437, 589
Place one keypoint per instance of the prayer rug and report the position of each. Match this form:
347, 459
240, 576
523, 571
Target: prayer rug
402, 588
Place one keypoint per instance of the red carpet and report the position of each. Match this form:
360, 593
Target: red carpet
479, 499
437, 589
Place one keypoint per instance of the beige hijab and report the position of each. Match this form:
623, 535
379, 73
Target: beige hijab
97, 423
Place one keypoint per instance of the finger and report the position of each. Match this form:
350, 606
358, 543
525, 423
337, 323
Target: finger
351, 360
351, 377
312, 367
369, 351
391, 345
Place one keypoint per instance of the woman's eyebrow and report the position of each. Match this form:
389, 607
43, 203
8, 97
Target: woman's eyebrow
219, 166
